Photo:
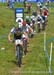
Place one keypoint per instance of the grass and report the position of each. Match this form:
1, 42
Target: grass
35, 61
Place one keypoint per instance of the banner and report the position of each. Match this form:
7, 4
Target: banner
27, 0
19, 13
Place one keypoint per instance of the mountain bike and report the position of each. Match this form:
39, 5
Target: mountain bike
19, 50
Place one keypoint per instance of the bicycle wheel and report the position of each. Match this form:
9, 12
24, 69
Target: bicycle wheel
38, 26
19, 54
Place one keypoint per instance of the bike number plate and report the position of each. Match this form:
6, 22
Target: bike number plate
17, 42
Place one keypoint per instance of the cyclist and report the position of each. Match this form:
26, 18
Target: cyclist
33, 22
29, 6
45, 13
17, 32
26, 28
39, 7
38, 4
39, 21
43, 22
47, 3
28, 21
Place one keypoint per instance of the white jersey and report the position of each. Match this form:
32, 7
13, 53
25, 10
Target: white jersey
25, 28
33, 18
39, 19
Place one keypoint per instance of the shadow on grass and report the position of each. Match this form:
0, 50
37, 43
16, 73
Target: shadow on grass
13, 61
16, 62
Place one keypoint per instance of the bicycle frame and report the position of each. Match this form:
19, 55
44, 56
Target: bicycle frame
19, 50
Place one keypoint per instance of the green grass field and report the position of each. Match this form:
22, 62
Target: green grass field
35, 62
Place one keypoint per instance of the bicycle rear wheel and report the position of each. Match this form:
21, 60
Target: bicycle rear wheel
19, 54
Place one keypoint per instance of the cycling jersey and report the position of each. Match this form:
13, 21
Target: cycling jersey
38, 18
25, 28
17, 33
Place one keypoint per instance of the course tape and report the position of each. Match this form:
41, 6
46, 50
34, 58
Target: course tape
49, 41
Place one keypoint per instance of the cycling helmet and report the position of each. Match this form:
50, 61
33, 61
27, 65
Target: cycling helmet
28, 20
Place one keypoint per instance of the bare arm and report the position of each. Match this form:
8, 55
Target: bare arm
31, 30
9, 37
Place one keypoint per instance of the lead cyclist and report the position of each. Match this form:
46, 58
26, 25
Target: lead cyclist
17, 33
